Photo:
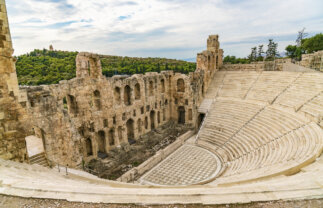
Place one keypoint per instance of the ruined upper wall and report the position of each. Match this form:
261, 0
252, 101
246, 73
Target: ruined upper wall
313, 60
12, 143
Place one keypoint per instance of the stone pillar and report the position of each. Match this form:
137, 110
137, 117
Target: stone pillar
12, 140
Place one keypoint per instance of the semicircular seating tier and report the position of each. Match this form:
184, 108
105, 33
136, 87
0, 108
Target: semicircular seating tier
263, 123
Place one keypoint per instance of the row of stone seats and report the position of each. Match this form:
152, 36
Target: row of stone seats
225, 118
286, 154
302, 91
270, 84
314, 109
237, 84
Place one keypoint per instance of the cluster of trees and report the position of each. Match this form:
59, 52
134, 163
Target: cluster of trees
257, 53
113, 65
49, 67
45, 67
304, 45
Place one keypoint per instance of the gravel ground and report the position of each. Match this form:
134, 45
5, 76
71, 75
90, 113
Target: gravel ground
17, 202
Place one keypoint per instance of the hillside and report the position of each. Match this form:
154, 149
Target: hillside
49, 67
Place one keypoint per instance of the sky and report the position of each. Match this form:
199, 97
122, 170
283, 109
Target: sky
159, 28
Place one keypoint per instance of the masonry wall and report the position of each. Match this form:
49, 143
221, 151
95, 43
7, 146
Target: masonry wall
276, 65
313, 60
12, 143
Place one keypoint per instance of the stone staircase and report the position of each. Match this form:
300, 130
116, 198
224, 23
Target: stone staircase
39, 159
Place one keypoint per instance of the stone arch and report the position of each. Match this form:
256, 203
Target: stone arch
152, 120
139, 124
117, 95
180, 85
130, 130
127, 95
151, 88
181, 115
89, 147
101, 142
120, 131
137, 91
97, 99
162, 83
72, 104
111, 137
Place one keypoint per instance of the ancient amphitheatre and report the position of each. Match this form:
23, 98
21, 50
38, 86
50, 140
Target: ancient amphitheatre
256, 132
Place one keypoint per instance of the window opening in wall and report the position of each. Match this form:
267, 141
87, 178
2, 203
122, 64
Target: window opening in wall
127, 95
162, 82
124, 116
176, 101
101, 145
89, 68
105, 123
117, 95
186, 102
111, 137
181, 115
166, 102
65, 103
152, 120
97, 99
147, 107
155, 105
137, 91
180, 85
134, 113
92, 127
139, 124
142, 110
114, 120
130, 131
88, 144
72, 105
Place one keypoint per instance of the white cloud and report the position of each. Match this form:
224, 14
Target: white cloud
167, 28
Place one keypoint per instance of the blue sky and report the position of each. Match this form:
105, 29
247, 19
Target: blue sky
159, 28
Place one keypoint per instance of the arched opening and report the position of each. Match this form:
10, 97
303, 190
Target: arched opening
158, 117
151, 88
203, 89
200, 120
117, 95
181, 115
130, 131
89, 150
101, 142
97, 99
127, 95
152, 120
180, 85
139, 124
72, 105
120, 133
111, 137
146, 122
137, 91
162, 82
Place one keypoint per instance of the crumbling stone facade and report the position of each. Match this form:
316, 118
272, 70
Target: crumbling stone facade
84, 118
12, 142
313, 60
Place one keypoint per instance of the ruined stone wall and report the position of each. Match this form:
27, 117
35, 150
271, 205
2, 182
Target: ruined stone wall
276, 65
313, 60
209, 61
91, 113
12, 143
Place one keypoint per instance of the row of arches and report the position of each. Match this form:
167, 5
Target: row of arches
103, 139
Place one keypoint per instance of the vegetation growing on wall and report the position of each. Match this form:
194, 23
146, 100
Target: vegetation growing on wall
49, 67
